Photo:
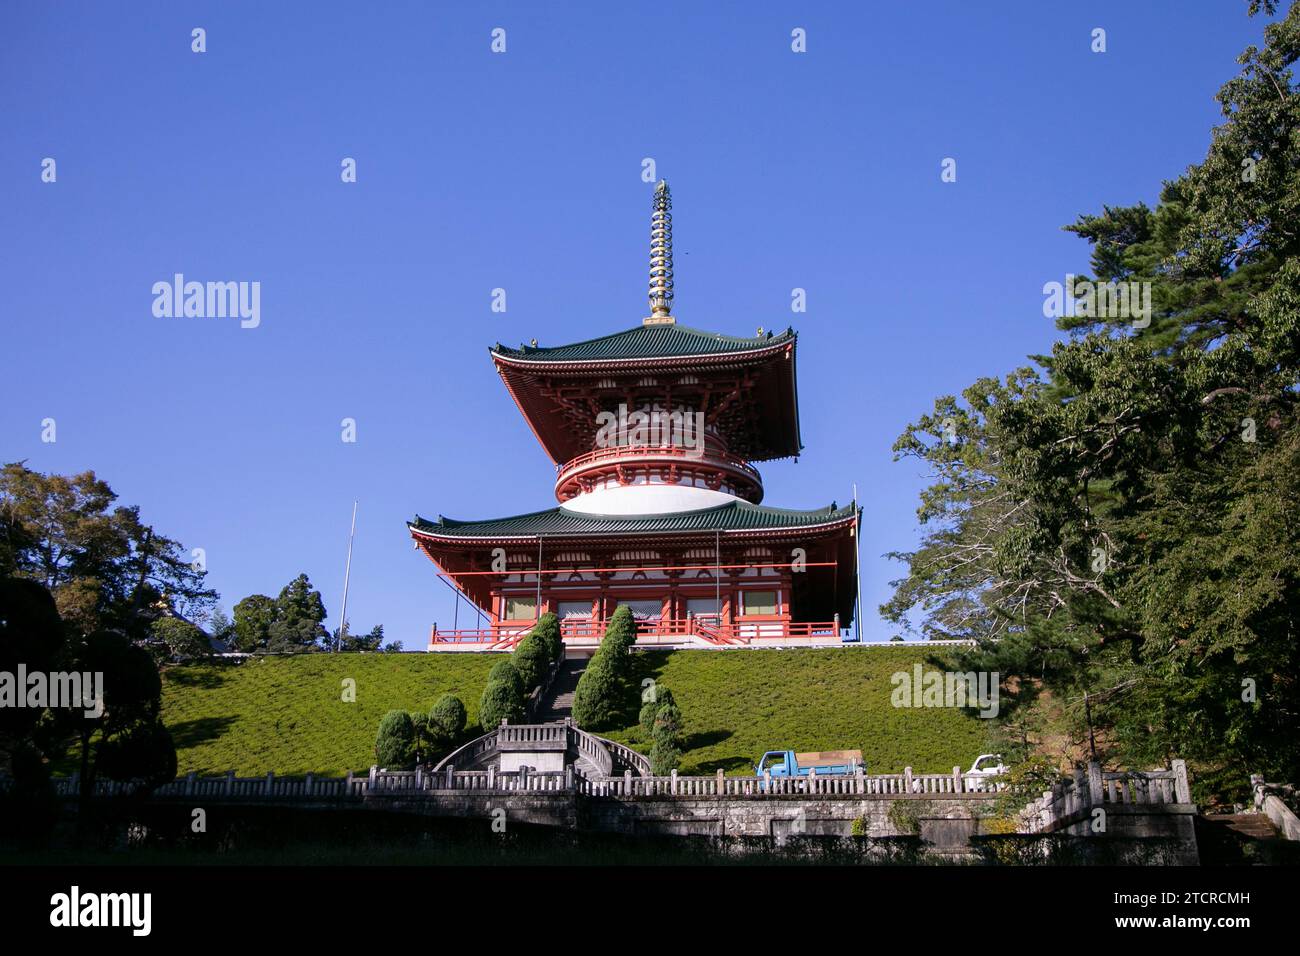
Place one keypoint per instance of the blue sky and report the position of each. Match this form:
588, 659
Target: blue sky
522, 171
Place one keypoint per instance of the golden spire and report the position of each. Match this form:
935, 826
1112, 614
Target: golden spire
661, 258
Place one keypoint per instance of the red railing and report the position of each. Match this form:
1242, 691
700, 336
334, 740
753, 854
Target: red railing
506, 636
704, 456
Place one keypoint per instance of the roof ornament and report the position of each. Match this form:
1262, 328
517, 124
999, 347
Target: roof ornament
661, 258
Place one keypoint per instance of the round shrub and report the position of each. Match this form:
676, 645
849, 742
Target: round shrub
501, 700
395, 744
620, 634
505, 670
447, 717
658, 697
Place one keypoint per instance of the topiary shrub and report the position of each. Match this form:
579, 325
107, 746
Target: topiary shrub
655, 698
501, 700
505, 670
447, 717
532, 658
598, 695
667, 735
547, 630
395, 744
620, 635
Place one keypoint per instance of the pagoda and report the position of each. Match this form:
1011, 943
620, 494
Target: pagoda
654, 432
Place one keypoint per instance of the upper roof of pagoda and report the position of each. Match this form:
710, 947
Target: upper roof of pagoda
745, 387
736, 517
652, 343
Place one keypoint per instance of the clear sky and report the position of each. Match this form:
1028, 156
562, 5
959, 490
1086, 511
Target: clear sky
522, 170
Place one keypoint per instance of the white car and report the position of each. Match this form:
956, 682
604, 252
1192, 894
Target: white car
982, 772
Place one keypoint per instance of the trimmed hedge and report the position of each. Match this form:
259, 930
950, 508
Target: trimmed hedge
395, 742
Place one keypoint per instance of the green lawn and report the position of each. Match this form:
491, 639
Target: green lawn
738, 704
286, 714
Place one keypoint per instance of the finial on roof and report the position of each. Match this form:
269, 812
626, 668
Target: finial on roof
661, 257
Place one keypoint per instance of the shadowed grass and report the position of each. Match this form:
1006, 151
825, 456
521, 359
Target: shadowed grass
287, 714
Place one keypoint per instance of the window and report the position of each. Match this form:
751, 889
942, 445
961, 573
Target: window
569, 610
702, 607
645, 610
521, 608
759, 602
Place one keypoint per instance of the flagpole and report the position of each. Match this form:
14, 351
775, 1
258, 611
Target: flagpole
347, 575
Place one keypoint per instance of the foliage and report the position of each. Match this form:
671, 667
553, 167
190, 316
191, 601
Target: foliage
532, 660
350, 643
1024, 783
395, 743
448, 714
597, 699
505, 670
1121, 518
905, 815
501, 700
184, 641
666, 734
104, 566
655, 697
290, 624
547, 630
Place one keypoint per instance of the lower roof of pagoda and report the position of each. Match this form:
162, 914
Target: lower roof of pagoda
735, 516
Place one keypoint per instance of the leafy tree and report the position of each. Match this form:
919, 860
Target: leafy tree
620, 635
254, 616
299, 618
395, 744
501, 700
221, 627
104, 566
1120, 518
182, 639
358, 643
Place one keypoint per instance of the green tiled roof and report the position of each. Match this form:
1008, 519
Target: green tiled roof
646, 341
735, 516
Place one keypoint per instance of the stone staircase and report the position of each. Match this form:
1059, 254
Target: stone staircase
558, 703
1241, 838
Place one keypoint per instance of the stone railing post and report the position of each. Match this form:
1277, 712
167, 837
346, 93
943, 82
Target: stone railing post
189, 783
859, 781
523, 778
270, 782
306, 790
568, 777
230, 782
1182, 790
419, 778
907, 779
347, 785
672, 785
374, 777
956, 779
1096, 795
627, 783
451, 780
492, 777
721, 783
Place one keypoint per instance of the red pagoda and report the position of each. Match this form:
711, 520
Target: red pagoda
654, 431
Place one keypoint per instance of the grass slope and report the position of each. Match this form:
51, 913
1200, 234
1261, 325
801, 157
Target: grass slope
737, 705
286, 714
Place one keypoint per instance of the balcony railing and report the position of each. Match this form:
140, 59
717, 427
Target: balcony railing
660, 451
649, 631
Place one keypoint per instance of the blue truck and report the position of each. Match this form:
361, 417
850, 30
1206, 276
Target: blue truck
820, 763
